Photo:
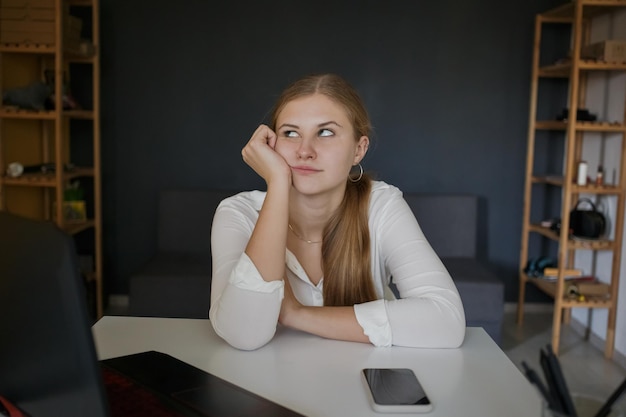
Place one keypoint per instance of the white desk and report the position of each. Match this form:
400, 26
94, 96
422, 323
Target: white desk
319, 377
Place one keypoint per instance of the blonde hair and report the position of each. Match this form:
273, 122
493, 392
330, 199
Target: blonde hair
346, 257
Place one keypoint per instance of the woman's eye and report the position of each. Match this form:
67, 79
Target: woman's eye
326, 132
290, 134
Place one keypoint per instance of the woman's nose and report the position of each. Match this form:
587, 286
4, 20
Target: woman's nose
305, 150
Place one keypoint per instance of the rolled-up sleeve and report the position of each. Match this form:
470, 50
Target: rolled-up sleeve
373, 319
246, 313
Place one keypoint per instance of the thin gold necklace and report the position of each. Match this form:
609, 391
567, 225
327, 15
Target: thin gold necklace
300, 237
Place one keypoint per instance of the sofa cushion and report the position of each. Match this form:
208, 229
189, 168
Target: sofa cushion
482, 294
449, 222
185, 218
172, 285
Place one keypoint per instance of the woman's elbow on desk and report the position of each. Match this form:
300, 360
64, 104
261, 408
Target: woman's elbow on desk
241, 327
239, 338
241, 342
437, 324
450, 335
455, 336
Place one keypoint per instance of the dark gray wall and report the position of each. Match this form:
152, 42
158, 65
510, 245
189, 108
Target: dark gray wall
185, 83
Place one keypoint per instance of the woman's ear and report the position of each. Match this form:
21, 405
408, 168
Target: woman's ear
361, 149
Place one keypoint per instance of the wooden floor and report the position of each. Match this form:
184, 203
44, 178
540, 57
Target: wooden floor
585, 369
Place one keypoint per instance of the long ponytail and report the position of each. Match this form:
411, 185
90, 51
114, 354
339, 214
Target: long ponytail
346, 254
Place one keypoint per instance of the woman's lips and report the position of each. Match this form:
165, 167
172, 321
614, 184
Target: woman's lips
302, 169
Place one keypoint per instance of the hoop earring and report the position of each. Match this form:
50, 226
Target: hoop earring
359, 177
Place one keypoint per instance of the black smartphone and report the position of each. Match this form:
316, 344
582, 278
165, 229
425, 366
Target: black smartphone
395, 390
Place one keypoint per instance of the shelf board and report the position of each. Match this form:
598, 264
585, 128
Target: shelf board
574, 243
550, 125
45, 180
596, 189
79, 114
551, 179
74, 228
594, 65
591, 8
562, 69
85, 3
28, 48
591, 244
581, 126
577, 189
76, 58
554, 71
71, 55
15, 113
549, 288
544, 231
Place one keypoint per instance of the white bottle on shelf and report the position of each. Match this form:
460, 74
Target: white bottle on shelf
582, 173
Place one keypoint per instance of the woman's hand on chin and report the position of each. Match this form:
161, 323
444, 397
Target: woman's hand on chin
260, 154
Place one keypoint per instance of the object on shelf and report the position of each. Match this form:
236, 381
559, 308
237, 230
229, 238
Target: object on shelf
536, 266
568, 278
552, 224
87, 47
600, 176
16, 169
609, 51
73, 192
26, 23
68, 103
582, 115
74, 211
590, 288
588, 224
568, 272
74, 205
30, 97
581, 179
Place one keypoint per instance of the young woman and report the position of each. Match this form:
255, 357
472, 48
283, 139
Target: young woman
317, 250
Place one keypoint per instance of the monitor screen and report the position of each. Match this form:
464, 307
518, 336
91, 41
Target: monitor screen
48, 363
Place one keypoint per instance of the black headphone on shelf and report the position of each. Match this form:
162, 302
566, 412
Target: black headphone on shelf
535, 266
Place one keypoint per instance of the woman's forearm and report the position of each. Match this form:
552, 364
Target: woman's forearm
338, 323
266, 247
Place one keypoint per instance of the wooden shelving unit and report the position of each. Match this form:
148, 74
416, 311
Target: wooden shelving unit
33, 137
578, 15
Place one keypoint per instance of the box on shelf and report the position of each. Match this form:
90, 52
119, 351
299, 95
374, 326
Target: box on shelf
609, 51
593, 288
73, 211
569, 272
24, 9
71, 32
33, 21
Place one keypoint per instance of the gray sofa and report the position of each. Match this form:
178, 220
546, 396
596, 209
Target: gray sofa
176, 281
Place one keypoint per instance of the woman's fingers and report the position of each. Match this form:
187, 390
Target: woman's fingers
260, 155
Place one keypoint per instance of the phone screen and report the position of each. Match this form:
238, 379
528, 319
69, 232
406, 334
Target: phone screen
395, 386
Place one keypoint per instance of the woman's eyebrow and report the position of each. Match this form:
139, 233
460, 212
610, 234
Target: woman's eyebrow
332, 122
288, 125
324, 124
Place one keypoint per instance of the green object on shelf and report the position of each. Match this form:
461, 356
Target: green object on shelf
73, 192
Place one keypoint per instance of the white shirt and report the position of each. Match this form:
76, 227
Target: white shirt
245, 308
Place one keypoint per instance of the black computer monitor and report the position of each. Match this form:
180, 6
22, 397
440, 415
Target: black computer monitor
48, 362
